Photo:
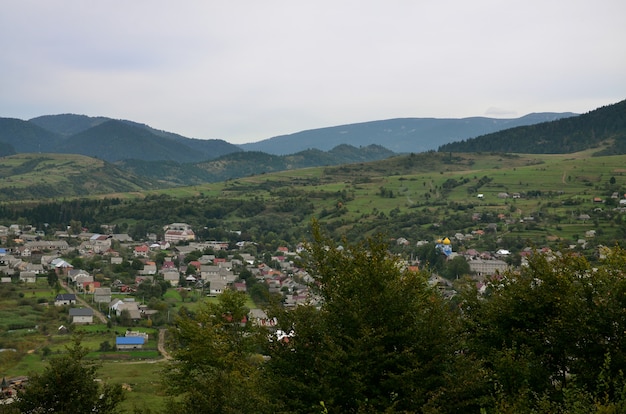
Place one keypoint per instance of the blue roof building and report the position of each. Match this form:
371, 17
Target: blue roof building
129, 342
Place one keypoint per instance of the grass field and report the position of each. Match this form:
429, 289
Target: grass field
28, 349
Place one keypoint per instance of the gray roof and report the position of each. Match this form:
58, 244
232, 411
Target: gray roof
81, 312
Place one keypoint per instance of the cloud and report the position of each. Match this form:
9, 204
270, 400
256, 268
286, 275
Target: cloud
244, 71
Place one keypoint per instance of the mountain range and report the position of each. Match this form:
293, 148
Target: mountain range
133, 156
117, 140
402, 135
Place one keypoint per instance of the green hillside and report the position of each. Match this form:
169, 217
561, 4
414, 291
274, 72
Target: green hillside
43, 176
526, 199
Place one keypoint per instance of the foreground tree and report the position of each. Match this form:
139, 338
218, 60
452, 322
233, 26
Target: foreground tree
553, 333
216, 359
379, 340
68, 385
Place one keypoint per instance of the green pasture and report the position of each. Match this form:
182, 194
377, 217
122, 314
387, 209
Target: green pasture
173, 297
142, 381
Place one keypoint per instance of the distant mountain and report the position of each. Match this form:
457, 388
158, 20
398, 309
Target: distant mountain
403, 135
117, 140
24, 136
105, 138
68, 124
603, 128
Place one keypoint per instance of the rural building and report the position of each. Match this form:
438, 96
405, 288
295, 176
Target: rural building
482, 267
28, 277
81, 315
127, 343
102, 295
178, 232
65, 299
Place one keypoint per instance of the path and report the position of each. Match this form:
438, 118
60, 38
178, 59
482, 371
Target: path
161, 345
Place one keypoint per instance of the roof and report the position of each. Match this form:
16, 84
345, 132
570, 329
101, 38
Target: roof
129, 340
81, 312
66, 296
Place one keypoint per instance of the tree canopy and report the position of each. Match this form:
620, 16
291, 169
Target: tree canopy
68, 385
377, 338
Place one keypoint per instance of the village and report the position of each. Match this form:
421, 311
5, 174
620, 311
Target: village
126, 288
179, 260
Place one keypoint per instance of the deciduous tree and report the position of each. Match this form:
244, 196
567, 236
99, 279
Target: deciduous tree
68, 385
216, 361
379, 340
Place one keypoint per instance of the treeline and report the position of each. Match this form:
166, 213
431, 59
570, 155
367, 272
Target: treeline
557, 137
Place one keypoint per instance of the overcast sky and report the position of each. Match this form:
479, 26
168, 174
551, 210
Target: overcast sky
244, 70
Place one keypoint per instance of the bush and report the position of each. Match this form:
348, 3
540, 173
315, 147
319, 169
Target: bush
105, 347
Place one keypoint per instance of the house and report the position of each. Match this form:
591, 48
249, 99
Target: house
131, 307
97, 243
28, 277
172, 276
102, 295
78, 275
83, 280
65, 299
90, 287
150, 268
81, 315
126, 343
61, 267
217, 287
141, 251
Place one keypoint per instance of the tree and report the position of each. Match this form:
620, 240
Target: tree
216, 360
53, 279
68, 385
456, 268
552, 329
125, 318
381, 340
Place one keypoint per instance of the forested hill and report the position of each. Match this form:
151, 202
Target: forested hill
243, 164
604, 127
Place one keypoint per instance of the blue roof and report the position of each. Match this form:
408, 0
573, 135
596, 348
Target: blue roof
129, 340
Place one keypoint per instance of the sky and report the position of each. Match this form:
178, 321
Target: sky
248, 70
